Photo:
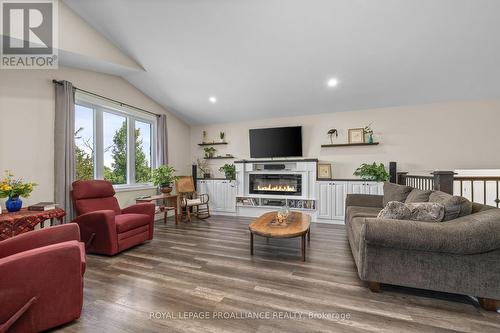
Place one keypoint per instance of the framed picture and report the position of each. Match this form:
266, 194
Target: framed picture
356, 135
324, 171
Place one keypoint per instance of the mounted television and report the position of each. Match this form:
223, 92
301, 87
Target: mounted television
276, 142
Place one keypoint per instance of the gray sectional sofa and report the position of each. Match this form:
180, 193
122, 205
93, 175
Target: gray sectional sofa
460, 256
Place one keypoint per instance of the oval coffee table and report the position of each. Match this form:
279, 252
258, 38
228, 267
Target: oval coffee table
299, 225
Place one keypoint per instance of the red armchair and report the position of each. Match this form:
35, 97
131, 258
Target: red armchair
41, 279
104, 227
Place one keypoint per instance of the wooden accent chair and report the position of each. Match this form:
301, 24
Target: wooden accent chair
190, 200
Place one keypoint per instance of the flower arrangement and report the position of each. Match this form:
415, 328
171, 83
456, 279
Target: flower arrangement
12, 188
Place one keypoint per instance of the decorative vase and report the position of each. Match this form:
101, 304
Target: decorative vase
13, 204
370, 138
166, 189
282, 215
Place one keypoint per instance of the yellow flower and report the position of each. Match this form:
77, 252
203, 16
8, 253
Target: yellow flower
7, 187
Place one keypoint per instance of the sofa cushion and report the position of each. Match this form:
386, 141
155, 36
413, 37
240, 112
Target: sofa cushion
395, 192
417, 195
417, 211
454, 206
357, 211
126, 222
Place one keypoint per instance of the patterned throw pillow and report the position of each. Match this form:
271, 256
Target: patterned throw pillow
418, 211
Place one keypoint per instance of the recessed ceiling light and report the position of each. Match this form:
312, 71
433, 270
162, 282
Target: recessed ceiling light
212, 99
333, 82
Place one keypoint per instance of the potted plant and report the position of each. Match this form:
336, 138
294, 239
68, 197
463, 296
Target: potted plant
209, 152
222, 135
204, 168
163, 177
14, 189
372, 172
229, 171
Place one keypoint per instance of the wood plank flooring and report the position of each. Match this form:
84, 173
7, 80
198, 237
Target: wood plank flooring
205, 266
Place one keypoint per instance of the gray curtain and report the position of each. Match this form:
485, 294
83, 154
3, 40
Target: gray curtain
64, 146
161, 144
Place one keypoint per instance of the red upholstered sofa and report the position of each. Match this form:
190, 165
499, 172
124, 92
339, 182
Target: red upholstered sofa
41, 279
104, 227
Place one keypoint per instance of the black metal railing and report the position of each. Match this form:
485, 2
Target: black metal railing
480, 189
485, 190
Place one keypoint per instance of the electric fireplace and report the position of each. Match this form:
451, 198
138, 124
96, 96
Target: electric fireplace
277, 184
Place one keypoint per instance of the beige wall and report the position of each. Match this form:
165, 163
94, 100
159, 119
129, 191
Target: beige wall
27, 123
420, 138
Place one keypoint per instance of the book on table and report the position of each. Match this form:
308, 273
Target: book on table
42, 206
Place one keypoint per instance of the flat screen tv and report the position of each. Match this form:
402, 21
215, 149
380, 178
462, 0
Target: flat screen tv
276, 142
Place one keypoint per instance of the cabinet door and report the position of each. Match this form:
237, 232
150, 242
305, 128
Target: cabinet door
339, 193
357, 188
207, 187
372, 188
230, 200
324, 200
220, 194
201, 187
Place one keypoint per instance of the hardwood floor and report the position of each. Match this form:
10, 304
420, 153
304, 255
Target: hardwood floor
205, 266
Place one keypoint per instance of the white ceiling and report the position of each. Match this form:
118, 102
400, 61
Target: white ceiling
272, 58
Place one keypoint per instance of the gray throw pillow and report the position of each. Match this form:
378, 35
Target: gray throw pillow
395, 192
417, 195
454, 206
395, 210
417, 211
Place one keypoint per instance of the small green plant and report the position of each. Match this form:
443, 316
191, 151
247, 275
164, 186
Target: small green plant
163, 176
229, 170
372, 172
209, 151
222, 135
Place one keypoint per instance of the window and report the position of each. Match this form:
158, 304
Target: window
113, 143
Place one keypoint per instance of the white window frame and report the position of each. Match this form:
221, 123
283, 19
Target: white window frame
132, 115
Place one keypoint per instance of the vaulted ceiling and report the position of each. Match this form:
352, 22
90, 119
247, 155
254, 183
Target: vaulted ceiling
273, 58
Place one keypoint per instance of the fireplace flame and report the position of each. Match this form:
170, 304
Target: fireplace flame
276, 188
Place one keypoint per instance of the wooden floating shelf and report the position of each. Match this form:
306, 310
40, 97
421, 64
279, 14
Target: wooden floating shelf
212, 143
218, 157
350, 144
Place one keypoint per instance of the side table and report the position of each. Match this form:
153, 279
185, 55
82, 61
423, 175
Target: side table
170, 202
12, 224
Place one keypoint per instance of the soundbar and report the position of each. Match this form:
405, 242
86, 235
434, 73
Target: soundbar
274, 166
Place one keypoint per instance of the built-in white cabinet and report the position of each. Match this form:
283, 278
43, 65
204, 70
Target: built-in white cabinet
331, 199
360, 187
222, 194
331, 196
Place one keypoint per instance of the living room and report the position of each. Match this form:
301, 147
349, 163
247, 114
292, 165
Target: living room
249, 166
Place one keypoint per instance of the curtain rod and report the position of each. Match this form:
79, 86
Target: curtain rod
109, 99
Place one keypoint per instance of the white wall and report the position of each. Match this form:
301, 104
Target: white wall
420, 138
27, 123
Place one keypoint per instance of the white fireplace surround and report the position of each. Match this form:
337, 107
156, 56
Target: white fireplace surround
306, 168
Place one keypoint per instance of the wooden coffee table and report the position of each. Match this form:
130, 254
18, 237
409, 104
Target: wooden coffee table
299, 225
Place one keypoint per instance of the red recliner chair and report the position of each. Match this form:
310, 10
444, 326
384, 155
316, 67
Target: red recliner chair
41, 279
104, 227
